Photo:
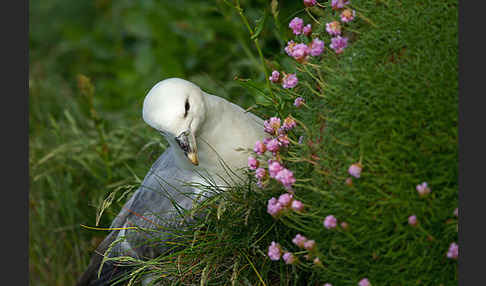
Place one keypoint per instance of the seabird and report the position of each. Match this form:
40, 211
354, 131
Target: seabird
206, 134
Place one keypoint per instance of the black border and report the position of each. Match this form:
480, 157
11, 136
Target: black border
471, 130
14, 117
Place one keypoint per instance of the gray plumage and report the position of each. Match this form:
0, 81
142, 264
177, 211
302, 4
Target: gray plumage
150, 207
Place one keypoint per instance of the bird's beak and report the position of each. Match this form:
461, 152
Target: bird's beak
187, 142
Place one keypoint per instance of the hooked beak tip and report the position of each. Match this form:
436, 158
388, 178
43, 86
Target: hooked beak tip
193, 158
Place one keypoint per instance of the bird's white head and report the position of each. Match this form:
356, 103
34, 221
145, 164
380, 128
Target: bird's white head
176, 108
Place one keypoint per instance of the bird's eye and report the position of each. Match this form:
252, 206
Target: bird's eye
187, 106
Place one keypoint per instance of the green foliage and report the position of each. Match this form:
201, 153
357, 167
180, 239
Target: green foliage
389, 101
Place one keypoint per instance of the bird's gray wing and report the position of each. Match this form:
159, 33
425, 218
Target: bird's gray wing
152, 209
155, 206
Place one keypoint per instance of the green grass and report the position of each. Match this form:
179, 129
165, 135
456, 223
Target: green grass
389, 101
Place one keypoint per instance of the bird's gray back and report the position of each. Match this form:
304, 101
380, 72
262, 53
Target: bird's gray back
154, 205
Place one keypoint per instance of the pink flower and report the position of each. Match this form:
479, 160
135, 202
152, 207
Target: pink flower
317, 261
328, 284
290, 81
296, 25
333, 28
273, 145
412, 220
355, 170
317, 47
297, 206
271, 126
274, 167
309, 245
299, 240
260, 148
456, 212
338, 44
289, 258
300, 52
347, 15
344, 225
253, 163
423, 189
290, 47
289, 123
330, 222
275, 76
338, 4
453, 251
274, 251
285, 199
283, 139
260, 173
274, 208
298, 101
286, 177
307, 29
364, 282
310, 3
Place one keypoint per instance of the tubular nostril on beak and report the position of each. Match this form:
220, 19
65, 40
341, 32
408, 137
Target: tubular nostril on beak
183, 141
187, 143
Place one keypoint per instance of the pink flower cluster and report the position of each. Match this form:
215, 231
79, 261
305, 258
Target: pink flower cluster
333, 28
299, 240
279, 139
307, 244
330, 222
275, 77
298, 28
298, 102
347, 15
302, 242
275, 252
364, 282
338, 4
412, 220
272, 125
423, 189
301, 52
338, 44
281, 174
296, 25
288, 80
355, 170
307, 30
289, 258
285, 202
310, 3
253, 163
453, 251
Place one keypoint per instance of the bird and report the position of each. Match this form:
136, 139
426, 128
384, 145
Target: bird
207, 137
